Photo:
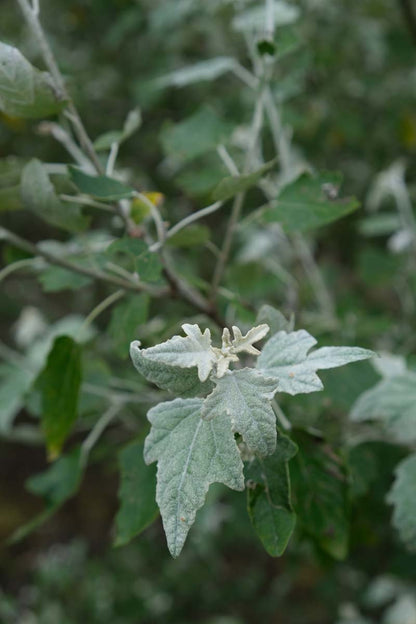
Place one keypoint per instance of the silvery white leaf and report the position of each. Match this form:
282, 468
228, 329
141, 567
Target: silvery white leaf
254, 18
389, 365
245, 343
245, 395
285, 356
392, 402
191, 454
194, 350
182, 382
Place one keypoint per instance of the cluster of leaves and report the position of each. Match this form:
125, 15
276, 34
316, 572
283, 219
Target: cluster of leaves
69, 380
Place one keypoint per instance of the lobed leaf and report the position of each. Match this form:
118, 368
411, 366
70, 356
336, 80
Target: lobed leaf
182, 382
285, 356
186, 352
191, 454
244, 396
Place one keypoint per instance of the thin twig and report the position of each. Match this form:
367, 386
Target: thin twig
239, 199
16, 266
112, 157
103, 305
25, 245
32, 18
97, 431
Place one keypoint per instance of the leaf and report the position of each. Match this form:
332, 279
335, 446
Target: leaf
274, 319
24, 90
255, 18
268, 497
55, 279
38, 195
179, 140
132, 123
138, 259
59, 383
392, 402
56, 485
10, 198
244, 396
403, 496
180, 381
191, 454
101, 187
232, 185
125, 318
194, 350
285, 357
137, 490
319, 488
191, 236
310, 202
205, 70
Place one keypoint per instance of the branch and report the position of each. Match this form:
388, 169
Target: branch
25, 245
31, 16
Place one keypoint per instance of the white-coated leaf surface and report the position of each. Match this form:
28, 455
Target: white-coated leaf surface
403, 497
244, 395
191, 453
392, 402
183, 382
186, 352
286, 356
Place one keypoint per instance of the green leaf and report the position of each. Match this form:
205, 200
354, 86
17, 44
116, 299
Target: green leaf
185, 352
310, 202
191, 454
230, 186
285, 356
392, 402
38, 195
192, 236
137, 491
268, 497
55, 279
403, 496
101, 187
59, 383
56, 485
182, 382
125, 318
274, 319
137, 258
320, 495
24, 90
194, 136
132, 123
205, 70
245, 395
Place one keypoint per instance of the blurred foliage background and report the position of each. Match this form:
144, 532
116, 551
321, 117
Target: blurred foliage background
346, 85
